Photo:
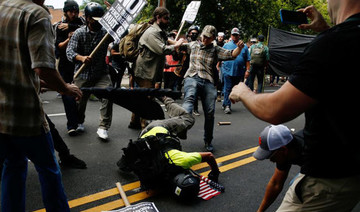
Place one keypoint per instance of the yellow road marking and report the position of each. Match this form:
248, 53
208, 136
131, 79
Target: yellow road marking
143, 195
226, 158
119, 203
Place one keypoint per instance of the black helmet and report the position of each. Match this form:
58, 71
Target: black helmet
94, 10
186, 185
193, 27
70, 5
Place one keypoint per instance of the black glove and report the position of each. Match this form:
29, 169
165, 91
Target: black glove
214, 175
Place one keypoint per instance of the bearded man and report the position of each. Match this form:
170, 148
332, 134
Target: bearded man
153, 45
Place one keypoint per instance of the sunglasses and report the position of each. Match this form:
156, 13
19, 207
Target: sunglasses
166, 18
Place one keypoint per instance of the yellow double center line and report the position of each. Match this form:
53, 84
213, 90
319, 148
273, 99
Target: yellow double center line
145, 194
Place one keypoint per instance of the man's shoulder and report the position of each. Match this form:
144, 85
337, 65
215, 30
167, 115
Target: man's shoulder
229, 45
153, 28
27, 7
81, 30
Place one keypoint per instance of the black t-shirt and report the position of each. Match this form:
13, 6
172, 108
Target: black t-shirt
66, 67
298, 145
328, 71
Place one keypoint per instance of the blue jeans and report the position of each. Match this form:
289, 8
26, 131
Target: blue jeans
196, 86
40, 150
229, 83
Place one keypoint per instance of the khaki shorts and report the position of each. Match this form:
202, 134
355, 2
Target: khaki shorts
321, 194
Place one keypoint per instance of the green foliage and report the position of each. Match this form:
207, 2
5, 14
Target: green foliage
252, 17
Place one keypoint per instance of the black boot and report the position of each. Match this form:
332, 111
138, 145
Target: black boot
209, 147
71, 161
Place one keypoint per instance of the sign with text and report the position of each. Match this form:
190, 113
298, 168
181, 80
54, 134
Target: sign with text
191, 12
120, 15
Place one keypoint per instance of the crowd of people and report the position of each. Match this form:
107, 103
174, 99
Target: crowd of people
207, 65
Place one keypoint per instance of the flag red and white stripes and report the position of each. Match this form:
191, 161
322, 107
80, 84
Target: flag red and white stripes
206, 192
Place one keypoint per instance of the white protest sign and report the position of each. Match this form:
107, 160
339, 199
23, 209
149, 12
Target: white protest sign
120, 15
191, 12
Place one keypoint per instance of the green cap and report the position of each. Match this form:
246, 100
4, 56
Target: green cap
209, 31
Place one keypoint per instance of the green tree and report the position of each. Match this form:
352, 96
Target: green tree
252, 17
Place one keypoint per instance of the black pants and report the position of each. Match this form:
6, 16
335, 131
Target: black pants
59, 144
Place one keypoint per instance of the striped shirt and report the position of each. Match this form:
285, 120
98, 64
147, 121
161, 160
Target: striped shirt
203, 59
83, 42
27, 42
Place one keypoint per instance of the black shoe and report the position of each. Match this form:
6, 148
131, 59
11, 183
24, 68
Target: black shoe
209, 147
72, 162
134, 126
72, 132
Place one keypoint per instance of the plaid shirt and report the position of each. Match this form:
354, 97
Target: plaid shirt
83, 42
27, 42
203, 59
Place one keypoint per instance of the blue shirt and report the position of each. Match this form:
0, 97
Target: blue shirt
235, 67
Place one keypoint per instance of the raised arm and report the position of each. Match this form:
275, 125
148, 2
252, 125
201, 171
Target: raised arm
278, 107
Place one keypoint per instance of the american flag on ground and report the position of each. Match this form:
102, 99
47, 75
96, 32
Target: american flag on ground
209, 189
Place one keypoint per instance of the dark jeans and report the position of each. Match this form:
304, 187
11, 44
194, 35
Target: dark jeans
229, 83
67, 73
196, 86
259, 73
59, 143
40, 150
71, 111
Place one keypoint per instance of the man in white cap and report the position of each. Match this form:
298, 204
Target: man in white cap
234, 71
220, 40
277, 144
330, 176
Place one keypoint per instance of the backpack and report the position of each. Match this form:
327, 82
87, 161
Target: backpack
129, 45
146, 158
258, 57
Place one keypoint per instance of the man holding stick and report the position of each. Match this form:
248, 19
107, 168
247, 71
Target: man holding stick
95, 73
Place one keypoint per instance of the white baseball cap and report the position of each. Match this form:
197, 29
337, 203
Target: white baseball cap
272, 138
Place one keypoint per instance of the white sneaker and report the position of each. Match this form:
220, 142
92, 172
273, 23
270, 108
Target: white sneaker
103, 134
227, 110
80, 128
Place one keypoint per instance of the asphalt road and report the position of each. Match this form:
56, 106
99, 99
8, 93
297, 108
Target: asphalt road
93, 189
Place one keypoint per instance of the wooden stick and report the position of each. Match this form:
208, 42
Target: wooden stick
122, 194
181, 27
103, 40
224, 123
